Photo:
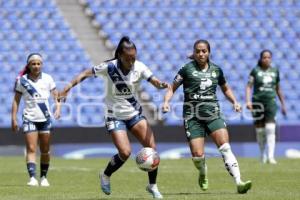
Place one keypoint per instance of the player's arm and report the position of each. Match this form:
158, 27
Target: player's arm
157, 83
281, 99
14, 111
55, 96
168, 96
79, 78
230, 96
248, 92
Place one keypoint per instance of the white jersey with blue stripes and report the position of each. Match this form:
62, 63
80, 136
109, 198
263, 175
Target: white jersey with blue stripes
121, 97
36, 94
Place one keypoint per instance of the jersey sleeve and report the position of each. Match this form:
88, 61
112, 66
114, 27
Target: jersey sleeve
179, 76
18, 86
100, 70
146, 72
221, 79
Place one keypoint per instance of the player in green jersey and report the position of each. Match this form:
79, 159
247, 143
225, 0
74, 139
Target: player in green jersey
265, 82
201, 112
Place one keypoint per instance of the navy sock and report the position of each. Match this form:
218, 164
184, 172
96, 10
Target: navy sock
152, 176
114, 164
31, 169
44, 169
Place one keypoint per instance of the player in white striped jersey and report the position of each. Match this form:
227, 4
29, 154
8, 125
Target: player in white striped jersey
35, 87
124, 73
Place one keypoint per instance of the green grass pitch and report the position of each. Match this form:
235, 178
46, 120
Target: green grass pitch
177, 179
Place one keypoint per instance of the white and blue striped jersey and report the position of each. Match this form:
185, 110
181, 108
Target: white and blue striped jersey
121, 101
36, 94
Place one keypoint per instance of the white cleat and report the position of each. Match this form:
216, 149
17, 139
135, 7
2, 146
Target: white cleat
44, 182
33, 182
272, 161
154, 191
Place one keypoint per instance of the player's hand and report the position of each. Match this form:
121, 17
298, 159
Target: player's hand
237, 107
249, 105
163, 85
283, 111
57, 113
14, 125
62, 96
166, 107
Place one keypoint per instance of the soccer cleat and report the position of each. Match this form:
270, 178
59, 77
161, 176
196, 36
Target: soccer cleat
154, 191
33, 182
243, 187
272, 161
203, 182
105, 184
44, 182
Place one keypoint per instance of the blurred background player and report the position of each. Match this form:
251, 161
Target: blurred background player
35, 87
124, 112
265, 82
201, 111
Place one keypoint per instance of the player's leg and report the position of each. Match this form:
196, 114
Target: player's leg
221, 139
31, 145
258, 114
117, 130
31, 138
121, 141
261, 140
143, 132
44, 139
270, 127
195, 133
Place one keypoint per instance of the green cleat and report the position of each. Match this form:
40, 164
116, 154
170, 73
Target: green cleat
243, 187
203, 182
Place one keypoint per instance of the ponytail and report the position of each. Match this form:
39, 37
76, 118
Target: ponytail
124, 43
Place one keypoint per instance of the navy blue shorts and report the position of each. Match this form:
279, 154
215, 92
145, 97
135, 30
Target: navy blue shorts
113, 124
41, 127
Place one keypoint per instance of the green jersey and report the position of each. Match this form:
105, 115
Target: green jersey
199, 88
264, 83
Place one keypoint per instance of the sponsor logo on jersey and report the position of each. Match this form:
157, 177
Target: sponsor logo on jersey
202, 74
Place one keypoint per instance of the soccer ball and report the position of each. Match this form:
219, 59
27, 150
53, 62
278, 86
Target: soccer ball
147, 159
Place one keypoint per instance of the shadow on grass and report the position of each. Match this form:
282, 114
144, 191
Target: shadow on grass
195, 193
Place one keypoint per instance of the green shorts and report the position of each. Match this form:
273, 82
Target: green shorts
195, 128
264, 111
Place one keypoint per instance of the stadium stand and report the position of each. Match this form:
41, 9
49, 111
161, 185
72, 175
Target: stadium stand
38, 26
164, 32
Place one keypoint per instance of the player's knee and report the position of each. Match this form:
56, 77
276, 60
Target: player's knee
198, 154
31, 149
125, 154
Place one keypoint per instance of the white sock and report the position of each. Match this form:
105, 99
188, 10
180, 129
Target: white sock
230, 162
200, 164
261, 140
270, 135
153, 186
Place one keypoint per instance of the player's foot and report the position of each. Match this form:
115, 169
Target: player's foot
154, 191
105, 183
33, 182
44, 182
243, 187
272, 161
203, 182
263, 159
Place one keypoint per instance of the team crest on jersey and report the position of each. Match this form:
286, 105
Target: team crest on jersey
135, 76
100, 67
213, 74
